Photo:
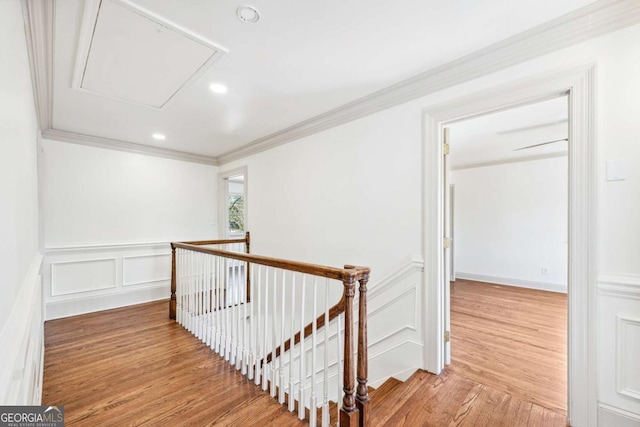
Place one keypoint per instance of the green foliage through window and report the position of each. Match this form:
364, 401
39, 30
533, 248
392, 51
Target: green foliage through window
235, 204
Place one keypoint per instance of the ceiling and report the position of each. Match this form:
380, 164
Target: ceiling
511, 135
300, 60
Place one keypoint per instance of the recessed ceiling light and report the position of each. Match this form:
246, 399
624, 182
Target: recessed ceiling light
159, 136
248, 14
218, 88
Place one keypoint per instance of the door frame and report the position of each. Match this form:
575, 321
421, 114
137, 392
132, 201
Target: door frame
579, 83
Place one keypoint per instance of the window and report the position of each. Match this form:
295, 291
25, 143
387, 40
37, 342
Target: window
233, 202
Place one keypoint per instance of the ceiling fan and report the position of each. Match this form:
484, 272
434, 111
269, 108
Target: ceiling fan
541, 144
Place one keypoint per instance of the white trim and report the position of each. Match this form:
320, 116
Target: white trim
520, 283
508, 161
144, 282
55, 293
38, 17
128, 147
621, 355
409, 266
582, 24
222, 199
19, 344
580, 83
611, 416
92, 303
593, 20
619, 286
87, 31
53, 250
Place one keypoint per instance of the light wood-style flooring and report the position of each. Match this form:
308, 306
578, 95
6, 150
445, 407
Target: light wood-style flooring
134, 366
511, 339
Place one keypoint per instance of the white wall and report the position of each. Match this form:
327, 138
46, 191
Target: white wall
334, 197
109, 216
510, 221
20, 325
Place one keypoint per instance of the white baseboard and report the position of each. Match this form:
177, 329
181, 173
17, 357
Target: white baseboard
610, 416
521, 283
91, 303
22, 343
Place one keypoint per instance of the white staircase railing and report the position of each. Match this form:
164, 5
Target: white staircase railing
273, 321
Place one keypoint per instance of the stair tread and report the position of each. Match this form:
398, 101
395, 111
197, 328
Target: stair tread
387, 387
383, 409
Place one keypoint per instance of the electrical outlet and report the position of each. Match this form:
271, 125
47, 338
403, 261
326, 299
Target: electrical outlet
545, 270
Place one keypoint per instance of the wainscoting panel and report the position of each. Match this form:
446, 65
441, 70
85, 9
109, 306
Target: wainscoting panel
618, 350
628, 361
145, 269
70, 277
22, 344
86, 278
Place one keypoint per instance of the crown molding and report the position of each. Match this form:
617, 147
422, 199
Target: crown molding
130, 147
38, 17
596, 19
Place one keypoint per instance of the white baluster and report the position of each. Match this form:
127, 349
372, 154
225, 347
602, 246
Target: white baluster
227, 310
190, 294
250, 368
199, 297
325, 397
292, 394
238, 318
282, 340
265, 336
303, 355
220, 331
212, 298
272, 374
313, 405
178, 285
244, 321
234, 317
257, 377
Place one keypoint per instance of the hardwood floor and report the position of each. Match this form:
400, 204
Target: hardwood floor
450, 400
511, 339
134, 366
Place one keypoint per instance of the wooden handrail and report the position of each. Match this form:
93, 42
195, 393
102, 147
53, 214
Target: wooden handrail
355, 402
196, 243
343, 274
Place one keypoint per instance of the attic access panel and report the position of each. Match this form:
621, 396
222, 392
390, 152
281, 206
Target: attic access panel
130, 54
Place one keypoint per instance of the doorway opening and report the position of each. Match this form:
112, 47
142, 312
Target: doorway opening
506, 258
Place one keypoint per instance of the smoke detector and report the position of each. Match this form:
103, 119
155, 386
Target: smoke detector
248, 14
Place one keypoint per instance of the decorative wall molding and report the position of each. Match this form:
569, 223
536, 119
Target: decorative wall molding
509, 161
130, 273
596, 19
506, 281
70, 282
92, 303
627, 362
93, 247
22, 343
150, 279
129, 147
611, 416
406, 268
620, 286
